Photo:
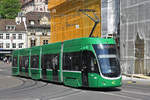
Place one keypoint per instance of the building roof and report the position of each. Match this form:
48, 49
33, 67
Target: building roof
25, 2
11, 22
36, 17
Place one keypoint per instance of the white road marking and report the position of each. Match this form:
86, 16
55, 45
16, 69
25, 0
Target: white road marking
9, 76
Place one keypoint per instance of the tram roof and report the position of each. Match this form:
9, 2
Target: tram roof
91, 40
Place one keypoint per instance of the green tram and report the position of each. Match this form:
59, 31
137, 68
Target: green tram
83, 62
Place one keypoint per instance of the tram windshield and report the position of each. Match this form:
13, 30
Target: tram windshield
108, 60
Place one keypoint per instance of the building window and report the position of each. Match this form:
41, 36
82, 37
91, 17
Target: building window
13, 27
46, 2
14, 36
20, 45
20, 36
7, 36
33, 43
45, 42
7, 27
1, 36
31, 22
32, 33
10, 27
44, 34
7, 45
1, 45
14, 45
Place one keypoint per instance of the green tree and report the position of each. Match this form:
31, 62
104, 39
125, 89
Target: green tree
9, 8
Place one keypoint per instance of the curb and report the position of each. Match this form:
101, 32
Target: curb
141, 76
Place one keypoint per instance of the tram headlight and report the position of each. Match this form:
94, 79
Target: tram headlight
113, 82
103, 83
95, 77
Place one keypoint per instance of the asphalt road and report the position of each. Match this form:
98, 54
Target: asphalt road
16, 88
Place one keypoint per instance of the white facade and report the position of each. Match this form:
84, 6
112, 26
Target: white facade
35, 6
8, 40
40, 6
28, 8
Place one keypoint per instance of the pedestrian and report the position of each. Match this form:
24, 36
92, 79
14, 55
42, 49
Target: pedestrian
5, 59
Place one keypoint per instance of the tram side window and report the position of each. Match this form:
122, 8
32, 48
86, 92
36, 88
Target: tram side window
21, 61
46, 61
55, 61
35, 61
66, 62
72, 61
26, 61
76, 61
14, 63
50, 61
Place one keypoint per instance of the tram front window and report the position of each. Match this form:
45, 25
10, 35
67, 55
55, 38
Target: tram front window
108, 60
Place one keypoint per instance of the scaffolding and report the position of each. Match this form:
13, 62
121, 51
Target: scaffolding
110, 15
135, 36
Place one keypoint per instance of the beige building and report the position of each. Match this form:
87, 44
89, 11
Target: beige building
38, 28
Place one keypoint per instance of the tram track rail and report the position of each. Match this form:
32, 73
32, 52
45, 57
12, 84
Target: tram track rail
63, 92
60, 94
26, 85
55, 97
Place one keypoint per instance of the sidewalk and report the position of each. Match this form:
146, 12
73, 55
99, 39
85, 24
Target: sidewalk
136, 79
141, 76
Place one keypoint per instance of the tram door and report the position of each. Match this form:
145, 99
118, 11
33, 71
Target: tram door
84, 69
45, 63
55, 68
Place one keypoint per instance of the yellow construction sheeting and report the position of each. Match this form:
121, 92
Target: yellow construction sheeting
73, 19
54, 3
